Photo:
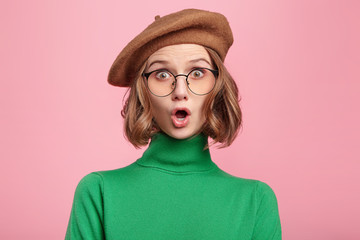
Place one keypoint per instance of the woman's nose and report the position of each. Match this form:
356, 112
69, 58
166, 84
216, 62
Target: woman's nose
181, 89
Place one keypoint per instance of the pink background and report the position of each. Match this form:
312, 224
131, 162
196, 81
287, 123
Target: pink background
297, 65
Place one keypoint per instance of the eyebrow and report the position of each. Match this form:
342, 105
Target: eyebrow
199, 60
191, 61
157, 61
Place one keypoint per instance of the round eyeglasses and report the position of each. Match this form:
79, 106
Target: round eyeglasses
162, 82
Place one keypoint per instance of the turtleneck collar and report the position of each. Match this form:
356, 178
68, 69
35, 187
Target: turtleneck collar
177, 155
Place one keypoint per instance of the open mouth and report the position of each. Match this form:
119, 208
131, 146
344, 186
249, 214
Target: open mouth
180, 117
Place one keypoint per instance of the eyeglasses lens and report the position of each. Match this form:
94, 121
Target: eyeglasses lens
200, 81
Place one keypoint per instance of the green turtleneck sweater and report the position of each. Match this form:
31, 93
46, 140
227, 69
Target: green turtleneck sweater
174, 191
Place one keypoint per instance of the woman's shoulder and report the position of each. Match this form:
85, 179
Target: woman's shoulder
259, 186
97, 177
93, 183
90, 179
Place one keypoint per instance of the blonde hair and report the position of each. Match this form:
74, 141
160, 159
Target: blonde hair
221, 109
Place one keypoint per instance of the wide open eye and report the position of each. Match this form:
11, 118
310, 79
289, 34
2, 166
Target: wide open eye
162, 75
197, 73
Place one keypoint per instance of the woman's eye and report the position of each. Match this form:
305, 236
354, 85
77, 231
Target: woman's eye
162, 75
197, 74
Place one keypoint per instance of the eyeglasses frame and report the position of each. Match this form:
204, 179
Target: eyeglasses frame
213, 71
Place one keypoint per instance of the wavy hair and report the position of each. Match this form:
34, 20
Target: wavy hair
221, 109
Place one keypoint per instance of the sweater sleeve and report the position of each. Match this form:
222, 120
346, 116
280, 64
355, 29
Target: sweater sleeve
86, 218
267, 225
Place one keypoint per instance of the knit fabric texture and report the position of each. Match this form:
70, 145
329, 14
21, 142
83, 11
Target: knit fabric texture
174, 191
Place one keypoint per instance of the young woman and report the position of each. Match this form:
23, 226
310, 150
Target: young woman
180, 94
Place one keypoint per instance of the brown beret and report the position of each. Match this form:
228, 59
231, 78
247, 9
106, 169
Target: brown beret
195, 26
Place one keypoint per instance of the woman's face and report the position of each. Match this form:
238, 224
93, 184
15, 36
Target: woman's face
179, 114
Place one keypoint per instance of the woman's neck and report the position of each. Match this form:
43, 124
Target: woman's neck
177, 155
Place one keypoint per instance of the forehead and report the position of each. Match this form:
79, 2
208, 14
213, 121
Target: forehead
184, 52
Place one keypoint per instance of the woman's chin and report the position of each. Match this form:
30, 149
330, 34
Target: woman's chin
180, 133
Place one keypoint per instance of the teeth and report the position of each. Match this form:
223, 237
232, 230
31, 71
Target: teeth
181, 119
